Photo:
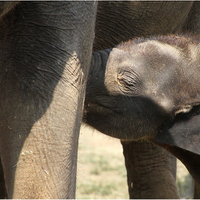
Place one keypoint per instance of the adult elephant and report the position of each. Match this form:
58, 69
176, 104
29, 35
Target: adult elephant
45, 52
121, 21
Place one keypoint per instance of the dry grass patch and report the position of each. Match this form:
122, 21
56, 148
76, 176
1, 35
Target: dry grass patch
101, 171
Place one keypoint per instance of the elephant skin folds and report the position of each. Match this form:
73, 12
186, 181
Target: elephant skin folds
45, 50
43, 68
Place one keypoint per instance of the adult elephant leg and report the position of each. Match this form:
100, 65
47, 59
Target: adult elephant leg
151, 171
45, 50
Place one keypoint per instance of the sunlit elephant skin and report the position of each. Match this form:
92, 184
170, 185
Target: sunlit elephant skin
147, 81
137, 89
121, 21
45, 51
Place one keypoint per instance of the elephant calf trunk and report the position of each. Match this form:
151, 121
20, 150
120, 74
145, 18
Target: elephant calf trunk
96, 76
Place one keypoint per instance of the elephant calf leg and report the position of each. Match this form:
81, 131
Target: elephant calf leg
151, 171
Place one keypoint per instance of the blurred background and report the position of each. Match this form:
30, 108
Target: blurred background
101, 172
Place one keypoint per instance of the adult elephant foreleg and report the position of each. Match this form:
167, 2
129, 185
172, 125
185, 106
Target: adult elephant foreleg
45, 50
151, 171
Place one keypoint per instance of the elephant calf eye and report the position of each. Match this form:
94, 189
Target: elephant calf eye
129, 82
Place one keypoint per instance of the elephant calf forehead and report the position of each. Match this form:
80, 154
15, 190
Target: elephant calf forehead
155, 51
148, 55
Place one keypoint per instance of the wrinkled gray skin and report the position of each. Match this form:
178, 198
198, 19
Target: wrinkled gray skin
132, 90
45, 51
121, 21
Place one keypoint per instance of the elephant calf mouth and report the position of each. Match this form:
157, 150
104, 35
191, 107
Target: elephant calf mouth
101, 109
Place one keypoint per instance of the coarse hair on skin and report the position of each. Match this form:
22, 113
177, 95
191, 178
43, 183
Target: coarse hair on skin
178, 40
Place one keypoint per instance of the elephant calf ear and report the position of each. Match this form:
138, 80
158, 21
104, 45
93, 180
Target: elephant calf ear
181, 137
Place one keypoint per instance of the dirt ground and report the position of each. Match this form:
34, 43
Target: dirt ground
101, 172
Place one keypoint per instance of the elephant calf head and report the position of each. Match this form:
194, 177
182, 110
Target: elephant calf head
134, 88
149, 89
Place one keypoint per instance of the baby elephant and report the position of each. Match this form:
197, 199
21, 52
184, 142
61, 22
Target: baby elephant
149, 89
